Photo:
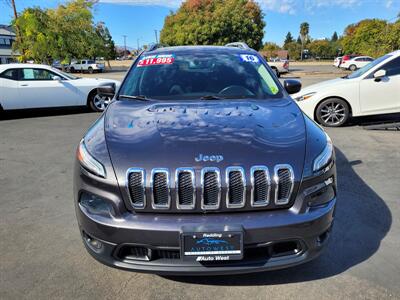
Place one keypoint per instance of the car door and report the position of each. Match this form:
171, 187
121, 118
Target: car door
40, 88
9, 89
381, 96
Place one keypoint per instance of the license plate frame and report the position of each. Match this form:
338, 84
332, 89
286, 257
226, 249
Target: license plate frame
212, 246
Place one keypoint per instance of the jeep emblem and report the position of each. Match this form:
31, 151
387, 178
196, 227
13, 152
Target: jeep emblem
205, 158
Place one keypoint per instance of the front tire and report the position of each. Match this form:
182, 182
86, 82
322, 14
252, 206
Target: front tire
90, 70
332, 112
277, 73
98, 103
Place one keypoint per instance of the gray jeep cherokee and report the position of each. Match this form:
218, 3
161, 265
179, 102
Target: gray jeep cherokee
203, 164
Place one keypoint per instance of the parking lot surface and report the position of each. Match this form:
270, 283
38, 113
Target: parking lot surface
42, 255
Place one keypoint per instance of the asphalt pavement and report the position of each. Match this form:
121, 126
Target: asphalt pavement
42, 256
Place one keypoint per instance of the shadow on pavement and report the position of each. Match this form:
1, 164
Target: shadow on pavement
38, 113
362, 221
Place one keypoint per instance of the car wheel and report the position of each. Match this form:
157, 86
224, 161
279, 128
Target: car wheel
277, 73
72, 70
353, 67
90, 70
98, 103
332, 112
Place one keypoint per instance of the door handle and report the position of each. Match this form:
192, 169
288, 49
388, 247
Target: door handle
25, 84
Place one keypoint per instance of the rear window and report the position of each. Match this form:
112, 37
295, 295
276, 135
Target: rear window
193, 75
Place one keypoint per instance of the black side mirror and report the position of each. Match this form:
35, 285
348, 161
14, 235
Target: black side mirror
292, 86
107, 90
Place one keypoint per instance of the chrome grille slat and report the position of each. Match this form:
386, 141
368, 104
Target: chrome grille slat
261, 186
284, 183
160, 189
211, 188
136, 178
236, 187
185, 188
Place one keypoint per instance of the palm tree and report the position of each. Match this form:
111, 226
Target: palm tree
304, 30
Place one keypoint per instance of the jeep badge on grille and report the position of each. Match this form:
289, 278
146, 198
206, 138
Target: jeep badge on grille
202, 157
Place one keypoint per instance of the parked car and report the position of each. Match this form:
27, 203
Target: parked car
279, 66
356, 62
337, 61
372, 90
347, 57
203, 164
38, 86
58, 65
86, 65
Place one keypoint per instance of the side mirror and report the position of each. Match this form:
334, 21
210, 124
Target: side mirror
107, 90
292, 86
379, 74
57, 78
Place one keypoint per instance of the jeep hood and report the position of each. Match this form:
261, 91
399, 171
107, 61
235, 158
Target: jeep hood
161, 134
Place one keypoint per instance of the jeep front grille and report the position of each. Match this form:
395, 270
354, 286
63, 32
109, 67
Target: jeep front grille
236, 187
185, 188
284, 178
268, 190
211, 188
136, 187
160, 188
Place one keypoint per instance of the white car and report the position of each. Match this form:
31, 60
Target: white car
337, 61
86, 65
280, 66
372, 90
356, 62
40, 86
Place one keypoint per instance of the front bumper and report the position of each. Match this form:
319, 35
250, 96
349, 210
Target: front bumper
262, 230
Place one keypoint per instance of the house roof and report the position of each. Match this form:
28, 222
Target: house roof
6, 30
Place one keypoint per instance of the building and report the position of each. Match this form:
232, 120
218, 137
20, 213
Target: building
7, 37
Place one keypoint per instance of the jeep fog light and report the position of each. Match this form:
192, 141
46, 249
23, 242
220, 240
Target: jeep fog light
92, 243
96, 205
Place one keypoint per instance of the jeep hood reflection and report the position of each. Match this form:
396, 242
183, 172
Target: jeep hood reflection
175, 134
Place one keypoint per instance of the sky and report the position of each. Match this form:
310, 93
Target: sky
138, 19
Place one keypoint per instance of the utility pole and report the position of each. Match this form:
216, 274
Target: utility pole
155, 31
124, 45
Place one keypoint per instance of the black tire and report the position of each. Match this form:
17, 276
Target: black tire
90, 70
353, 68
277, 73
96, 103
72, 70
332, 112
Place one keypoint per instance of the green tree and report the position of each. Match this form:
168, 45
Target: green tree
270, 49
294, 49
371, 37
207, 22
104, 45
304, 31
321, 48
288, 39
334, 37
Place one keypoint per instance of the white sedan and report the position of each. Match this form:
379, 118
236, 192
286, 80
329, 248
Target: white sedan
372, 90
40, 86
356, 63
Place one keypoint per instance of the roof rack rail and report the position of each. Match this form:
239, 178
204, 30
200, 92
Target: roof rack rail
156, 46
241, 45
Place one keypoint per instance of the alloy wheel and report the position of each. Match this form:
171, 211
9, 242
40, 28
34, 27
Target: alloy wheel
101, 102
333, 113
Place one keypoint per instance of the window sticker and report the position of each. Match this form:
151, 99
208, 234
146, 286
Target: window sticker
268, 79
159, 59
249, 58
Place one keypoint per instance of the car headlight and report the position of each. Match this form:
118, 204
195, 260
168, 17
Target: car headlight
305, 96
323, 159
89, 162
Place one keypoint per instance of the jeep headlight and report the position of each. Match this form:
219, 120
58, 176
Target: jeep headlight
324, 158
88, 161
305, 96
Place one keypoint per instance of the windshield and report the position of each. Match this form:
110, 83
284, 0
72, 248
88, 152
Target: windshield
200, 74
69, 76
368, 67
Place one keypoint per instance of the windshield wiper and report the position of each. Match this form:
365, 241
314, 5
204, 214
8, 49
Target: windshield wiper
135, 97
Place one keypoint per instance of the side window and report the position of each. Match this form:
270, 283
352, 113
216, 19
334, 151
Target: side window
11, 74
37, 74
392, 68
359, 59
